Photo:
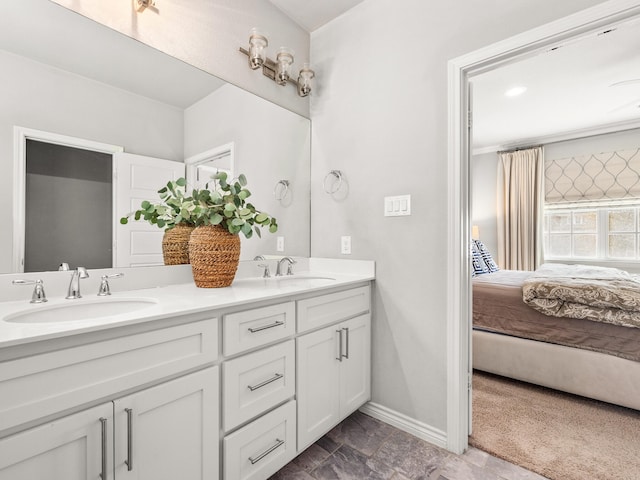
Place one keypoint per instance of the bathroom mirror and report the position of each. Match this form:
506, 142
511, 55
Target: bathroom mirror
69, 76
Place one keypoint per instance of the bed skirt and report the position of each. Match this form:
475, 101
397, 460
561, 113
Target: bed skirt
582, 372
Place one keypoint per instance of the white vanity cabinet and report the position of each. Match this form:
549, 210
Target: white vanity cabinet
169, 431
75, 447
164, 431
334, 363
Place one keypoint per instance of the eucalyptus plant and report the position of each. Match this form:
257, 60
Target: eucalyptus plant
225, 204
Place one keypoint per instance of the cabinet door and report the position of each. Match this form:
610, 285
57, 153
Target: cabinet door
355, 369
76, 447
170, 431
317, 383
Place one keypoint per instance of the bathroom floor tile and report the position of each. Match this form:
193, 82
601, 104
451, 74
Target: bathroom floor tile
364, 448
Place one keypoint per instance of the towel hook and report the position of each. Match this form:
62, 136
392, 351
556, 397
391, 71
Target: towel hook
337, 174
281, 189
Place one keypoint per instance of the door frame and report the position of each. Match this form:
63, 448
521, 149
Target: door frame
460, 70
20, 137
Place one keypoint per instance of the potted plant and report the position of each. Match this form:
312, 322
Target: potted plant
176, 215
217, 214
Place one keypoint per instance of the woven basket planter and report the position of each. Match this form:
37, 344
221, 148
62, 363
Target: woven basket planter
175, 245
214, 254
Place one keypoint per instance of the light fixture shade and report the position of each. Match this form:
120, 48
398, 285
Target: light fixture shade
284, 59
305, 77
257, 45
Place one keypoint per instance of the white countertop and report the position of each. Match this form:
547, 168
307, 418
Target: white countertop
180, 299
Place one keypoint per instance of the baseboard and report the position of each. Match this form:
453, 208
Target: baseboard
406, 424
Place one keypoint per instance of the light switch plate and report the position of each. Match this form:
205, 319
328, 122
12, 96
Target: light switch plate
345, 245
280, 244
398, 206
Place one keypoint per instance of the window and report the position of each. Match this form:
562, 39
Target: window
602, 232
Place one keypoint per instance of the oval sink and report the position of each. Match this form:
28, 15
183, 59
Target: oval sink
301, 279
79, 310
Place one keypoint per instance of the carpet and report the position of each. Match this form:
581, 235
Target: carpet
557, 435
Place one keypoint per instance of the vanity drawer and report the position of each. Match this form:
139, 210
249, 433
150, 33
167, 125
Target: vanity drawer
254, 383
45, 384
263, 447
319, 311
253, 328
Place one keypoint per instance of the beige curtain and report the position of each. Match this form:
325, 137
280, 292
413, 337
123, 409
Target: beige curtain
520, 209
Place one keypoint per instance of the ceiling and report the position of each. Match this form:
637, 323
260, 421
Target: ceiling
584, 84
311, 15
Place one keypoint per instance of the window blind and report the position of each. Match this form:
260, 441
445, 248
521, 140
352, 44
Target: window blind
601, 176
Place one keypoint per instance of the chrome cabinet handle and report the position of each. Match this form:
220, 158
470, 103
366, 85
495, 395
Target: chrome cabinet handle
129, 461
277, 376
264, 327
346, 329
255, 460
339, 357
103, 425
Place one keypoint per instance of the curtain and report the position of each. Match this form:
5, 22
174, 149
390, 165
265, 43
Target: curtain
520, 208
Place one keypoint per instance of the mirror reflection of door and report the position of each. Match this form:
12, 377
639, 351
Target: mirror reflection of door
201, 167
68, 207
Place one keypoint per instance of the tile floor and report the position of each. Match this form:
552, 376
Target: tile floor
362, 447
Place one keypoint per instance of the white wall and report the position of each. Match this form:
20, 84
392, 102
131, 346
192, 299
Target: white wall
485, 171
40, 97
380, 116
271, 144
208, 35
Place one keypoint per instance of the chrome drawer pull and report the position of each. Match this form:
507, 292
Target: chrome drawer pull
259, 329
277, 376
255, 460
103, 425
346, 329
339, 357
129, 460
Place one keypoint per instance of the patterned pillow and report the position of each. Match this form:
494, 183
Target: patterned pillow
486, 256
478, 265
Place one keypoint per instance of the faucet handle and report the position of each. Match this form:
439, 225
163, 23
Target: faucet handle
292, 262
104, 289
38, 295
64, 267
267, 273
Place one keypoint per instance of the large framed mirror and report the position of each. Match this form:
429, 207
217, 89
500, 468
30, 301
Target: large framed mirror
66, 76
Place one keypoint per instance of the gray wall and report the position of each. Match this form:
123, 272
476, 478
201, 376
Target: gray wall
380, 116
485, 171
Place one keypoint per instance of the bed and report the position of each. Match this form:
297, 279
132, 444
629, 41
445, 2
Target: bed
584, 357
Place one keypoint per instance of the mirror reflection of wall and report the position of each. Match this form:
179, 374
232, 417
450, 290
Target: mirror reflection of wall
144, 110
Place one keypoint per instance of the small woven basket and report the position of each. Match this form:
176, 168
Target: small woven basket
175, 245
214, 254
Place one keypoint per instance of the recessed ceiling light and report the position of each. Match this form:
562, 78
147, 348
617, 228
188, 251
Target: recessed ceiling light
515, 91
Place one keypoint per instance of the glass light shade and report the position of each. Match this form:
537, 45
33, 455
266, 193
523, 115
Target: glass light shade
304, 80
284, 59
257, 45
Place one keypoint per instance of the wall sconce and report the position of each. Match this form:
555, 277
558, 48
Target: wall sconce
280, 70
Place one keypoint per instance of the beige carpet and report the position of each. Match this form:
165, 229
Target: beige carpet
560, 436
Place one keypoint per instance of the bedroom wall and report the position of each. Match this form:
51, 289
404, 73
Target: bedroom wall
379, 115
485, 170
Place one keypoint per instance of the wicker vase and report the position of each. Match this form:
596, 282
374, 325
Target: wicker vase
175, 244
214, 254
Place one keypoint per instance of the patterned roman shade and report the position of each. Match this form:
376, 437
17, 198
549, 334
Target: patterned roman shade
602, 176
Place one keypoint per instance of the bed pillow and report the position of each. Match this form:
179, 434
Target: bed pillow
486, 256
478, 265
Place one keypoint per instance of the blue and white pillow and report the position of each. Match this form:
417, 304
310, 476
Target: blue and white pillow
478, 265
486, 256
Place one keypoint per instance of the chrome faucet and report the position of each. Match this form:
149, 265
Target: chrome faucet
74, 285
291, 262
38, 295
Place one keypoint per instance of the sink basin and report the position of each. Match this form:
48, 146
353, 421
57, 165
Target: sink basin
79, 310
301, 278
